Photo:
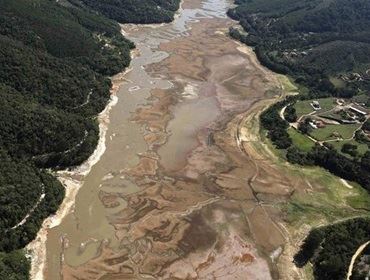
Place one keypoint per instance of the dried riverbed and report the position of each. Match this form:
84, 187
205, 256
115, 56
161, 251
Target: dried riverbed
180, 192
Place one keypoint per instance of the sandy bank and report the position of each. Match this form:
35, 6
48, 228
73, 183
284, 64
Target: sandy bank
72, 181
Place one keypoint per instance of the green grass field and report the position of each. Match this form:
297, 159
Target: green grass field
332, 202
344, 130
361, 148
304, 107
287, 84
331, 199
301, 141
332, 115
338, 83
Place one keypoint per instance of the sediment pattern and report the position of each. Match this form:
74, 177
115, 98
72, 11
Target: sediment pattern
194, 199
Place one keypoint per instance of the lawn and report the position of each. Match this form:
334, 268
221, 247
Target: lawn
361, 148
304, 107
301, 141
332, 115
344, 130
338, 83
287, 84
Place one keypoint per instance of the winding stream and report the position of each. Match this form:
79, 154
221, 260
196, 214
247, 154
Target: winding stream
177, 195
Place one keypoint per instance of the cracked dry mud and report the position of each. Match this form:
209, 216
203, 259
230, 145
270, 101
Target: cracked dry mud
180, 193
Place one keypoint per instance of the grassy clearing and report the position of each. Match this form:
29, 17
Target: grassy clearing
332, 115
344, 130
304, 107
338, 83
287, 84
332, 202
301, 141
329, 199
361, 200
308, 271
361, 148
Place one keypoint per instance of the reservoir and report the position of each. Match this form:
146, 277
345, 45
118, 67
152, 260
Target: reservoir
178, 193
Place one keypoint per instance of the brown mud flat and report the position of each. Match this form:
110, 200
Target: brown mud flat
206, 219
207, 203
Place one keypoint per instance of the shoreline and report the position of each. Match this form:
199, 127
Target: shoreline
72, 181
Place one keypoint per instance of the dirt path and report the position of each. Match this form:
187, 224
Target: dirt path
354, 257
255, 148
42, 196
282, 111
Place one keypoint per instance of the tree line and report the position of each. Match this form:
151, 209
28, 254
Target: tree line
330, 250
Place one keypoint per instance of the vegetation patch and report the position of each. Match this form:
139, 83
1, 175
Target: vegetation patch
361, 148
304, 107
330, 250
343, 131
129, 11
14, 266
363, 99
300, 140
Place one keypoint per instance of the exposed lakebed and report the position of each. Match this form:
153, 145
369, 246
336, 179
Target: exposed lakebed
176, 195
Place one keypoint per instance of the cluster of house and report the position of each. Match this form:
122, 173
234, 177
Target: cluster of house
351, 77
294, 53
343, 113
316, 105
315, 124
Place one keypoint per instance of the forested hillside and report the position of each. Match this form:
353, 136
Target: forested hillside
313, 41
330, 250
133, 11
55, 60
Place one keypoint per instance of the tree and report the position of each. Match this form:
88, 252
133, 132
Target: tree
290, 114
365, 161
350, 149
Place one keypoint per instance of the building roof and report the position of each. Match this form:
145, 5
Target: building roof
359, 109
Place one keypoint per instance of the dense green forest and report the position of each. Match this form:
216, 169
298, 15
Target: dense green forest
324, 46
133, 11
313, 41
361, 266
14, 266
330, 250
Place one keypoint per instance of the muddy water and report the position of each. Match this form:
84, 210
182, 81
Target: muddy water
175, 195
